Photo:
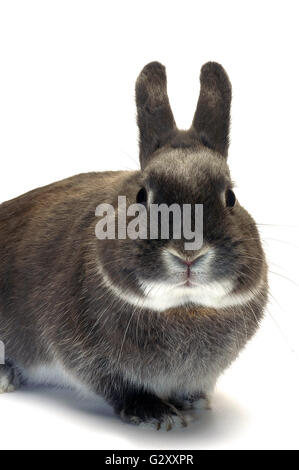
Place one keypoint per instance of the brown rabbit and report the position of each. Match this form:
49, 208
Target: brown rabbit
145, 323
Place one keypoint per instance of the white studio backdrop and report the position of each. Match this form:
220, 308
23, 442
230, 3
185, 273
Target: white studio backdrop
67, 73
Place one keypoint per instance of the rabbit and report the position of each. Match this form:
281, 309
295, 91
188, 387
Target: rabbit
118, 318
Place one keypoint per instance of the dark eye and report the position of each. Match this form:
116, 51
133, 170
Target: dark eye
230, 198
141, 196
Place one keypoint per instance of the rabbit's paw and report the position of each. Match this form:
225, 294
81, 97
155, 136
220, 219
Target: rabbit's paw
151, 412
9, 378
203, 403
200, 401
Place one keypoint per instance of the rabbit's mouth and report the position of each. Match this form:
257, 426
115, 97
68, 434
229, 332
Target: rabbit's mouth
187, 283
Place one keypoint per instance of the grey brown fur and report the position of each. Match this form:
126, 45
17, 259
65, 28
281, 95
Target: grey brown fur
56, 306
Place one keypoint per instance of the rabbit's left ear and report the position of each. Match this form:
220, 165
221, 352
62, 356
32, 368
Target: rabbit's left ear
212, 116
154, 116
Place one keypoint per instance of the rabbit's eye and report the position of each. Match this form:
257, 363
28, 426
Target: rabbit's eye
141, 196
230, 198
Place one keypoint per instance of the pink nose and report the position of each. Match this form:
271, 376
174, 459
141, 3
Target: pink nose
188, 263
187, 260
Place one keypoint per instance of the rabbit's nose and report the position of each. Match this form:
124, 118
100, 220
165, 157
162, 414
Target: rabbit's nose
186, 259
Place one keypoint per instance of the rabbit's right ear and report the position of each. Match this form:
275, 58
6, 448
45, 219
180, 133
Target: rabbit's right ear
154, 116
212, 116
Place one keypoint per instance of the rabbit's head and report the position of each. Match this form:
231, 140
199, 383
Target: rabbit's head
186, 167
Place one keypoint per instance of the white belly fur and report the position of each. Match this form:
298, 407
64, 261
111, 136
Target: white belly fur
55, 374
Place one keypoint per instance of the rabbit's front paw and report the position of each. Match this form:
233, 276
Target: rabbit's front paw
9, 378
199, 401
151, 412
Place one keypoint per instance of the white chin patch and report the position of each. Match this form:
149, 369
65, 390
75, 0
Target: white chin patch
161, 296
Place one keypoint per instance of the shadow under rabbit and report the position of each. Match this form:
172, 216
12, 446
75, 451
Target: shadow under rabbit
204, 426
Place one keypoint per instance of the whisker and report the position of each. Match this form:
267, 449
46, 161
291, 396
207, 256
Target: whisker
277, 225
284, 277
285, 338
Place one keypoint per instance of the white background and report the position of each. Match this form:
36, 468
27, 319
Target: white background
67, 72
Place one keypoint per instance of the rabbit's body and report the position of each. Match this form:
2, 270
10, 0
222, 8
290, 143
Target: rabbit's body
103, 315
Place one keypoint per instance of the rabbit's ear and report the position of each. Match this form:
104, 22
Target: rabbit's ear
154, 116
212, 116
